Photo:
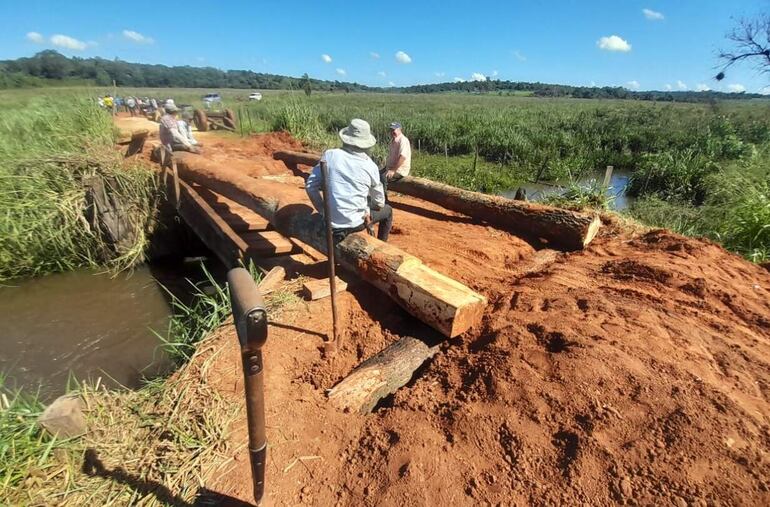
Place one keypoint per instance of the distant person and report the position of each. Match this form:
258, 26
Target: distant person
169, 133
109, 104
357, 198
131, 105
399, 161
119, 104
185, 128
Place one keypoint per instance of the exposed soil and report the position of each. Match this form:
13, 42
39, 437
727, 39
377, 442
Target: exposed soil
634, 372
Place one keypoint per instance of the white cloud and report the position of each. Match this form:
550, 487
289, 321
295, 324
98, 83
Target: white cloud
326, 58
35, 37
681, 85
374, 55
381, 73
439, 74
137, 37
341, 72
459, 80
67, 42
668, 87
478, 76
736, 88
613, 43
592, 84
402, 57
765, 90
519, 56
653, 15
391, 83
494, 73
633, 85
702, 88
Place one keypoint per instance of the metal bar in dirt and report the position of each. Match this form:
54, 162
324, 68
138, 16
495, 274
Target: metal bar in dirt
330, 255
250, 320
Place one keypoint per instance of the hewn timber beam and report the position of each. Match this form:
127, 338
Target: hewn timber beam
562, 229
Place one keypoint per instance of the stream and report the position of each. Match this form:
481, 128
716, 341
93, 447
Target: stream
618, 184
82, 323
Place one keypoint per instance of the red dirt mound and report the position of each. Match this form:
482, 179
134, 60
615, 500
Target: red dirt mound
635, 372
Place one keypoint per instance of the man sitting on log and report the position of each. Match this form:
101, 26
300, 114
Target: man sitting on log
354, 182
169, 133
399, 160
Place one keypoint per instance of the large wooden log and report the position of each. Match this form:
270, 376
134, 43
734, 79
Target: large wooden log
381, 375
562, 229
439, 301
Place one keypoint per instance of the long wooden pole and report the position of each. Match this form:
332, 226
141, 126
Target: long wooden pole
336, 338
560, 228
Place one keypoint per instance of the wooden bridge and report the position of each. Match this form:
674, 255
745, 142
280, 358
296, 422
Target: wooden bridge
236, 234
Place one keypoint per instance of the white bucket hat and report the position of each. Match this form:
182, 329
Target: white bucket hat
358, 134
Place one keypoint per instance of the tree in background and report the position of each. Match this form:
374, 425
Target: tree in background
751, 41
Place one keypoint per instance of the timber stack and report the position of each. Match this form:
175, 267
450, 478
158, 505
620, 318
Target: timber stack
560, 228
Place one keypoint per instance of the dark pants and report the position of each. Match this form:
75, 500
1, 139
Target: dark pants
384, 180
382, 216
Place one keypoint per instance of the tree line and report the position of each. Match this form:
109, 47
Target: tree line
50, 67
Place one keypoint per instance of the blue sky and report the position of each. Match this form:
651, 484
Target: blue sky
643, 45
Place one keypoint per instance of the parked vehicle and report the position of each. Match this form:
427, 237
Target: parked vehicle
255, 96
211, 99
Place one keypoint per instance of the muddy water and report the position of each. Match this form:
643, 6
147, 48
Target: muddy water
618, 184
92, 325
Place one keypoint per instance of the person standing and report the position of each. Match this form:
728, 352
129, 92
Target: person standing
399, 161
356, 195
131, 105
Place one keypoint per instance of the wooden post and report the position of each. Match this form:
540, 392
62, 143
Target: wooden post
607, 176
240, 119
446, 151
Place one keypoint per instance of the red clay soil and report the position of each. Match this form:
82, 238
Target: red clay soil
635, 372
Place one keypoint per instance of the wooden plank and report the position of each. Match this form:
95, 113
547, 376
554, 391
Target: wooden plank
208, 225
271, 280
240, 224
317, 289
266, 243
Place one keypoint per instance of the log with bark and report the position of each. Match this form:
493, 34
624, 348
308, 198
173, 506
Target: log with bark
439, 301
560, 228
381, 375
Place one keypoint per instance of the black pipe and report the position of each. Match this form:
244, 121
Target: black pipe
250, 320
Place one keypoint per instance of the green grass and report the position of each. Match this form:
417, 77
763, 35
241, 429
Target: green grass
49, 152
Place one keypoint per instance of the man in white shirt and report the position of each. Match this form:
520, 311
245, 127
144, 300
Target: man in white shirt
185, 128
399, 161
356, 195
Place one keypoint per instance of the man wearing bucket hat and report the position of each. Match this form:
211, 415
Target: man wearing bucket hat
169, 133
356, 198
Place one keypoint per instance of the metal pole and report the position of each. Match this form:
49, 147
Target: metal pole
333, 345
250, 320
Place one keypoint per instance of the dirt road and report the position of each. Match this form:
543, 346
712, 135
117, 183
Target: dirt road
636, 372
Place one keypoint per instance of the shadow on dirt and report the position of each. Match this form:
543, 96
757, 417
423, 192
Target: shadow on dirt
93, 467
